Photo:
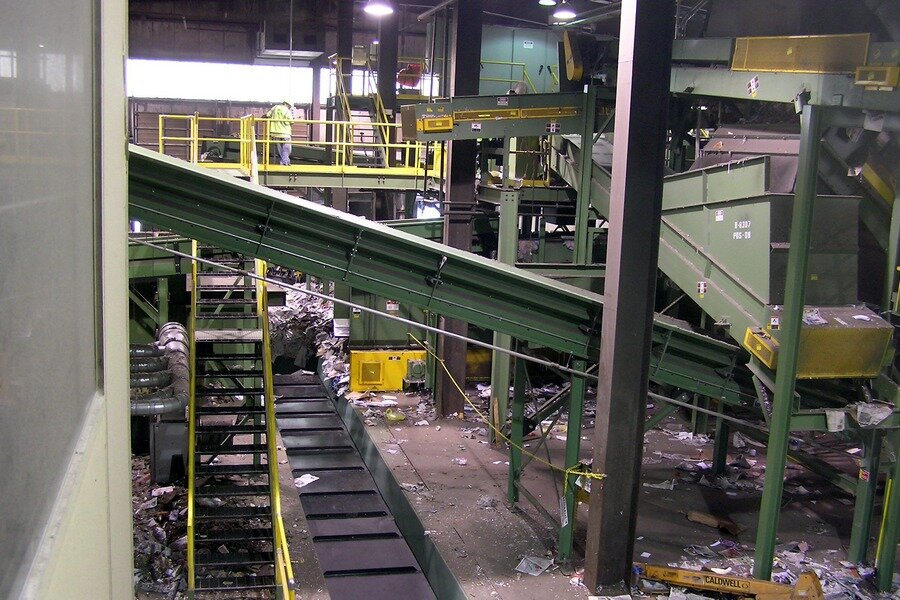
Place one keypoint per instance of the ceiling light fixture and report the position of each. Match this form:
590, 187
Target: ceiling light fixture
547, 2
563, 12
378, 8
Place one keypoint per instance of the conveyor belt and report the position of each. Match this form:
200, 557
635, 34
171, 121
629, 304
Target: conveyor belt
359, 546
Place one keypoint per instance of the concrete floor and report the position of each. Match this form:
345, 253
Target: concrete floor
482, 537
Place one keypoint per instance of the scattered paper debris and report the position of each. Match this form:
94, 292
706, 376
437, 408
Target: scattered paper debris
713, 521
460, 461
304, 480
663, 485
534, 565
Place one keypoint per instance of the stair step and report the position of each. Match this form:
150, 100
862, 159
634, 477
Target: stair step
217, 559
233, 535
236, 356
233, 429
232, 449
223, 315
230, 374
248, 469
222, 513
235, 583
223, 490
205, 392
220, 301
230, 410
225, 287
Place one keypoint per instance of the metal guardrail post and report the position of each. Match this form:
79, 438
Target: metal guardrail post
284, 575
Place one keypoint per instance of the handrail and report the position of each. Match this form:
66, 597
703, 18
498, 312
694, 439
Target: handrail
253, 139
192, 330
505, 63
284, 574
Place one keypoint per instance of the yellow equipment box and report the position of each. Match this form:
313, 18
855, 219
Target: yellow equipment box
835, 342
380, 370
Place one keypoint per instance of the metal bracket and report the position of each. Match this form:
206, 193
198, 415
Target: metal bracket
351, 253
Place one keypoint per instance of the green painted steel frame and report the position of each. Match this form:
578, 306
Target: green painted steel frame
259, 222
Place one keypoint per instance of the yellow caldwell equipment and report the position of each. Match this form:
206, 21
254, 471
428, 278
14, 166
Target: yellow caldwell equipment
807, 586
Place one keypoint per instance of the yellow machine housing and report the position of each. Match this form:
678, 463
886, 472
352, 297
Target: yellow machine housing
380, 370
852, 342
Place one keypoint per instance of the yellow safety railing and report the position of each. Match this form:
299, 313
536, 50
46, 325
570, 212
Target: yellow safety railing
253, 144
514, 80
191, 458
284, 573
193, 141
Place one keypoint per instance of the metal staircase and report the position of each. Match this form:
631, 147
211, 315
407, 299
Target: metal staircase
236, 542
367, 129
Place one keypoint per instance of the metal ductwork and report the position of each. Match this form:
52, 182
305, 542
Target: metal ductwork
165, 366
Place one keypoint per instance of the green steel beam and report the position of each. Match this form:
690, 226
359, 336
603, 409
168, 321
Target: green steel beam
573, 450
475, 117
866, 486
507, 250
890, 524
256, 221
585, 185
785, 378
517, 431
826, 89
564, 270
147, 308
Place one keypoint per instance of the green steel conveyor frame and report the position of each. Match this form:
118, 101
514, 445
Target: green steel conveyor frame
256, 221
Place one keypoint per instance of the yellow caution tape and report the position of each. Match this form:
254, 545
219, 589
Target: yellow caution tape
567, 473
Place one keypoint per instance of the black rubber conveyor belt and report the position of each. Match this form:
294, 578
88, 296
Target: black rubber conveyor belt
359, 547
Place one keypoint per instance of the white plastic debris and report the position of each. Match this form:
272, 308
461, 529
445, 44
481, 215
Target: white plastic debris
534, 565
304, 480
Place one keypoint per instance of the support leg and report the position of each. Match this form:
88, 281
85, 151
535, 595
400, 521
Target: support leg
720, 451
865, 497
785, 378
573, 449
517, 432
700, 420
890, 524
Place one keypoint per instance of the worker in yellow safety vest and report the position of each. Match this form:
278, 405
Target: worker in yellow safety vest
281, 116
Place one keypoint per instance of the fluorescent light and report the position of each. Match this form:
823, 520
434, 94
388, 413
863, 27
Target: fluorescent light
547, 2
563, 12
378, 8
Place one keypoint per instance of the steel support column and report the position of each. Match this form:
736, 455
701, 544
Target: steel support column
388, 40
645, 49
573, 450
890, 523
866, 486
517, 431
893, 255
720, 449
507, 250
460, 185
792, 320
345, 40
582, 252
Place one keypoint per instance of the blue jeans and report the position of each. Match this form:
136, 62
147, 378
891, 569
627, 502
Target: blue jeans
283, 146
